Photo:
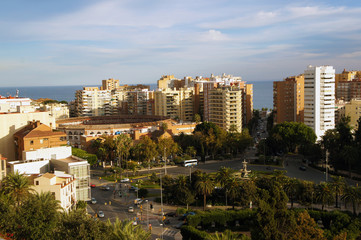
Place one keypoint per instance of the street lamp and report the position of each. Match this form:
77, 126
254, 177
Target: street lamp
165, 162
147, 212
137, 189
327, 153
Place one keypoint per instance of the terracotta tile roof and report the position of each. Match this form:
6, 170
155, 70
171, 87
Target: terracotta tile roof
49, 175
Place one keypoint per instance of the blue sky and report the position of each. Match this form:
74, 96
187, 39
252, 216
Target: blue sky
81, 42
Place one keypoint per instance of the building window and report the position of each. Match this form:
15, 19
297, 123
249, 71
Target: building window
31, 142
36, 182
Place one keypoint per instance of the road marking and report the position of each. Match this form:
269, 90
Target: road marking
169, 232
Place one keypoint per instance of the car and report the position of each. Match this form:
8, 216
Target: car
93, 201
171, 214
105, 188
101, 214
303, 168
92, 185
133, 189
138, 201
130, 209
181, 218
179, 225
124, 180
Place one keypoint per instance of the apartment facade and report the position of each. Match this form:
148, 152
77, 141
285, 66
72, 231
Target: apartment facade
347, 90
288, 99
59, 184
35, 136
353, 110
10, 123
319, 109
11, 104
225, 107
176, 104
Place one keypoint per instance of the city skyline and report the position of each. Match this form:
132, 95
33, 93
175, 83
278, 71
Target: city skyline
79, 43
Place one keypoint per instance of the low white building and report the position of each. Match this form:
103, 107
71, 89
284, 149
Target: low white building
61, 185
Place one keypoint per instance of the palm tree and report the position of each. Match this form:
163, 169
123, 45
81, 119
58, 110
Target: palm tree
291, 188
324, 194
17, 186
222, 177
234, 186
353, 195
125, 230
182, 190
338, 185
204, 186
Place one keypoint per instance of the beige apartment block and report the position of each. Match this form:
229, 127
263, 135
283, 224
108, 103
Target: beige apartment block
110, 84
247, 103
288, 99
10, 123
163, 82
347, 90
353, 110
78, 167
176, 104
2, 168
56, 110
11, 104
61, 185
225, 107
346, 76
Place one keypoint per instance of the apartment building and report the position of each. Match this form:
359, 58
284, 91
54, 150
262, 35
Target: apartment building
78, 167
347, 90
288, 99
346, 76
247, 103
10, 123
56, 110
319, 109
11, 104
2, 168
35, 136
225, 107
61, 185
91, 101
353, 110
176, 104
139, 102
110, 84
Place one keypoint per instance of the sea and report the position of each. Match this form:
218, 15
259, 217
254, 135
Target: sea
262, 92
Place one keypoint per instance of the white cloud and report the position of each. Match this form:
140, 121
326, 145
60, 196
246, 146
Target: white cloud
356, 54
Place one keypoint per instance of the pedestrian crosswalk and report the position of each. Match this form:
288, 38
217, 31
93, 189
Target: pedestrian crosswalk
169, 232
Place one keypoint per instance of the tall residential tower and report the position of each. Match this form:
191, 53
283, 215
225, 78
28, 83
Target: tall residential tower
320, 99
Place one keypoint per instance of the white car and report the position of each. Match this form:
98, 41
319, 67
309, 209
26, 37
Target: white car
93, 201
124, 180
101, 214
130, 209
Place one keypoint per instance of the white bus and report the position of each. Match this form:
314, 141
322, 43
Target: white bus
192, 162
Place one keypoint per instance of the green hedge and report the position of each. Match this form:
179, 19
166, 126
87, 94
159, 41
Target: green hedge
91, 158
220, 218
191, 233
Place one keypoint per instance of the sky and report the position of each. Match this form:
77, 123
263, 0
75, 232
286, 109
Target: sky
53, 43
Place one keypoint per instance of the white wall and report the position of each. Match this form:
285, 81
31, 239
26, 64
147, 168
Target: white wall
48, 153
30, 167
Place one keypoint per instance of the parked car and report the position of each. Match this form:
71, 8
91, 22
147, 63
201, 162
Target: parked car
124, 180
138, 201
105, 188
171, 214
93, 201
130, 209
303, 168
101, 214
92, 185
185, 215
133, 189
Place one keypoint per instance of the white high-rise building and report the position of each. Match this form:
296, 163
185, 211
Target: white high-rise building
320, 99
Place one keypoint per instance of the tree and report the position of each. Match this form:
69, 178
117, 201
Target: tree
338, 185
204, 186
223, 175
350, 156
197, 118
191, 151
226, 235
324, 194
306, 228
182, 190
125, 230
122, 146
81, 205
292, 188
78, 225
234, 186
149, 149
38, 217
16, 186
352, 195
289, 136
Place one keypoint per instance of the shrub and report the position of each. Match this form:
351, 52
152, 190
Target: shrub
142, 193
191, 233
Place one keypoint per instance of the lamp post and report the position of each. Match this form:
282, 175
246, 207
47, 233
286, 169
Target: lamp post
147, 212
165, 161
137, 189
161, 201
327, 153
